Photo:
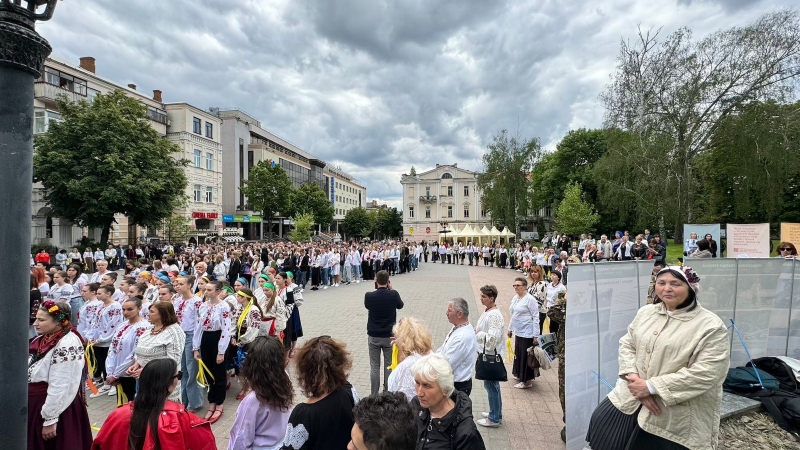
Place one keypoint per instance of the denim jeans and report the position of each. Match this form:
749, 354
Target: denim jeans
376, 346
495, 401
75, 303
302, 278
346, 273
356, 272
191, 394
325, 275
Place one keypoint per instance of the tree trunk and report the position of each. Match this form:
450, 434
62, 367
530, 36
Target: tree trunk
104, 235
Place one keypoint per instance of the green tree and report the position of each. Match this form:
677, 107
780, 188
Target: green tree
413, 172
310, 199
574, 215
176, 228
675, 92
268, 190
389, 223
504, 183
303, 226
104, 158
357, 223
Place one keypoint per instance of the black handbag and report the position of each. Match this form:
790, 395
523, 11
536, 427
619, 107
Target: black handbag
490, 367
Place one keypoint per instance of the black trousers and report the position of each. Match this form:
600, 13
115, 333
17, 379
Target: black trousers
128, 386
100, 354
464, 386
209, 344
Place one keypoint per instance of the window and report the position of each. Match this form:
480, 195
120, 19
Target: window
198, 158
157, 115
209, 161
197, 193
196, 125
450, 212
427, 191
483, 213
411, 212
209, 130
91, 94
446, 176
449, 191
64, 81
466, 212
209, 194
42, 120
466, 191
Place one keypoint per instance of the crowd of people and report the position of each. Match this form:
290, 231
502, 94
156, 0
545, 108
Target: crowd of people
181, 323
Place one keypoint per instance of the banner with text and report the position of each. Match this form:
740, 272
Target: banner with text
790, 232
702, 230
748, 240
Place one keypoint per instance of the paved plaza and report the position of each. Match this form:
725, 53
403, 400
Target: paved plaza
531, 417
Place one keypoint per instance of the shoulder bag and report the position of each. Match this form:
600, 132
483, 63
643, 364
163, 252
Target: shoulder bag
490, 367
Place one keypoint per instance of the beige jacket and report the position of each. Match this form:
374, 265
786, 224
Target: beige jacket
686, 358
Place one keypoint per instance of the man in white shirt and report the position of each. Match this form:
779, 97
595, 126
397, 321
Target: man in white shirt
460, 346
355, 265
110, 255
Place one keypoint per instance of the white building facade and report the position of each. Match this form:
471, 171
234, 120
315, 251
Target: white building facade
445, 194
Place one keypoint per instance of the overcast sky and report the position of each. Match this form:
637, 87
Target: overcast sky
378, 86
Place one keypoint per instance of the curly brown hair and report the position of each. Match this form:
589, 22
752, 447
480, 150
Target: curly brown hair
322, 366
264, 371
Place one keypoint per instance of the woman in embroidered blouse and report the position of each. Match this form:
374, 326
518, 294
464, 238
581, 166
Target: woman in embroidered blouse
413, 341
164, 340
274, 312
87, 317
211, 338
247, 325
537, 287
489, 333
100, 335
57, 416
524, 324
61, 290
293, 319
123, 347
138, 290
263, 414
77, 279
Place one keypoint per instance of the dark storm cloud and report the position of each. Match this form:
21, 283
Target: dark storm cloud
376, 87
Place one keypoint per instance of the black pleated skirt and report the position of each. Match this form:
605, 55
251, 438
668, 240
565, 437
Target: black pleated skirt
611, 429
520, 368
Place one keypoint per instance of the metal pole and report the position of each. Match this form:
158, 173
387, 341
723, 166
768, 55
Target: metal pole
22, 55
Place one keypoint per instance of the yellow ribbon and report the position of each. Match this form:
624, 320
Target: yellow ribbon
202, 370
121, 397
91, 364
394, 357
242, 317
509, 351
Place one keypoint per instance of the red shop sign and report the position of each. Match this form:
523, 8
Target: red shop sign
204, 215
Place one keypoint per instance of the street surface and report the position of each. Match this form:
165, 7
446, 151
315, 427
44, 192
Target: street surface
531, 417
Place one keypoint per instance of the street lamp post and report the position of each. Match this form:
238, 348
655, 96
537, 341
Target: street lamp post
444, 231
22, 55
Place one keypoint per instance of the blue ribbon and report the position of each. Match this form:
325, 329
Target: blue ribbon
597, 376
747, 352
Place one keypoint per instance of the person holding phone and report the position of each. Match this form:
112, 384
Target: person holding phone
382, 305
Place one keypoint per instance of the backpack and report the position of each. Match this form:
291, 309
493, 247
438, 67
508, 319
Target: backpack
743, 380
784, 407
778, 368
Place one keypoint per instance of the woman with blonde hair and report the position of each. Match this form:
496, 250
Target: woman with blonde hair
537, 287
413, 341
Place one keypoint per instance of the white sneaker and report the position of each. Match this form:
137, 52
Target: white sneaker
488, 423
102, 391
112, 392
358, 281
324, 287
485, 415
336, 285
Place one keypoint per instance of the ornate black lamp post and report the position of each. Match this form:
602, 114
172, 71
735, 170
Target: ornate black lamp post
22, 55
444, 230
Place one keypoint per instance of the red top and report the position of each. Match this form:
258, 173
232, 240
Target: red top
178, 429
42, 258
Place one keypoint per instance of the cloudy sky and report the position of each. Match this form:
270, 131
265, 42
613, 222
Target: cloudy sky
378, 86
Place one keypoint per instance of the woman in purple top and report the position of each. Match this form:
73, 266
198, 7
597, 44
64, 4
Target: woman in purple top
263, 414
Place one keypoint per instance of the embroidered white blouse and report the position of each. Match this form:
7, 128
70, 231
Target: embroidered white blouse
123, 346
87, 316
108, 317
401, 379
188, 312
61, 368
169, 343
250, 325
214, 318
489, 332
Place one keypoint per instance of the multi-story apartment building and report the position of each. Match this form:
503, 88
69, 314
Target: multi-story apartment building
177, 121
445, 194
197, 133
245, 143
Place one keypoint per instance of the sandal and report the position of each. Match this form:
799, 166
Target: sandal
215, 417
522, 385
241, 395
208, 415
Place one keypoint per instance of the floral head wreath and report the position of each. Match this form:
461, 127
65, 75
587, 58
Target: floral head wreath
56, 312
687, 273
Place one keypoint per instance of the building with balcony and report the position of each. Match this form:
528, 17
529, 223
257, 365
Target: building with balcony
445, 194
245, 143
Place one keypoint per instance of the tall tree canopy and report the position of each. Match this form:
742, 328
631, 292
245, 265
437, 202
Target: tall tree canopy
310, 199
674, 92
267, 191
357, 223
389, 223
504, 184
574, 215
104, 158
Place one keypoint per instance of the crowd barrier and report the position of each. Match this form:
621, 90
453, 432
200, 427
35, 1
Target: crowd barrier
761, 295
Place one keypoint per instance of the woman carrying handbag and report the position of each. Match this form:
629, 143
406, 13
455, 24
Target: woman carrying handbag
489, 366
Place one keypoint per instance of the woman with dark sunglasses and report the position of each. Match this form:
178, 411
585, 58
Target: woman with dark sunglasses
787, 250
152, 421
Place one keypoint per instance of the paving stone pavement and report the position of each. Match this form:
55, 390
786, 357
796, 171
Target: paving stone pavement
531, 417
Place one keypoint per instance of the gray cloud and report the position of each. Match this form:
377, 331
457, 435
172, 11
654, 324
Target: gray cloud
376, 87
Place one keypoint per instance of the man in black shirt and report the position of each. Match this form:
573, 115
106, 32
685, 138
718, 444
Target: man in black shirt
382, 305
